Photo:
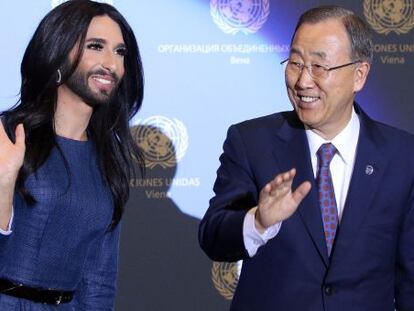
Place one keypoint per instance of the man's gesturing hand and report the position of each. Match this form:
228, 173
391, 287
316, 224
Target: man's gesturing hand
277, 201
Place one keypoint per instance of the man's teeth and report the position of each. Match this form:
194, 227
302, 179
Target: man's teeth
103, 81
308, 99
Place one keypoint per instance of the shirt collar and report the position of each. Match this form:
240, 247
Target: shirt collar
345, 142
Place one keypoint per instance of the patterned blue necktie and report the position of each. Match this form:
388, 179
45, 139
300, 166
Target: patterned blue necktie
327, 201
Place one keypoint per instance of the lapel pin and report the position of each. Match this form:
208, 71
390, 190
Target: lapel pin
369, 170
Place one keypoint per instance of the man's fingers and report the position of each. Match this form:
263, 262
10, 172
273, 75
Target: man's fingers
283, 178
301, 191
282, 182
288, 177
3, 134
20, 135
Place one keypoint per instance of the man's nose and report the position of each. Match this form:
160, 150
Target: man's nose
305, 80
109, 61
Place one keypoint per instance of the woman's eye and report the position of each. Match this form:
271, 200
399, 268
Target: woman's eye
95, 46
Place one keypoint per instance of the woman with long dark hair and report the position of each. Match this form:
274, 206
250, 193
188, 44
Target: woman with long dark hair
66, 157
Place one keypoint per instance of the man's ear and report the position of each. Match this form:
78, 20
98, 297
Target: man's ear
361, 74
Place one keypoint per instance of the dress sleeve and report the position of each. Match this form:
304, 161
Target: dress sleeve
97, 288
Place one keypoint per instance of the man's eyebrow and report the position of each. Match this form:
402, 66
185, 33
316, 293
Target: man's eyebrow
320, 54
295, 51
103, 41
98, 40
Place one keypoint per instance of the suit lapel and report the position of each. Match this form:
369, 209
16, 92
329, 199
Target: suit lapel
366, 177
293, 152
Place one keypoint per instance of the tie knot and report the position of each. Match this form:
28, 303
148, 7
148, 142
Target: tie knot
325, 154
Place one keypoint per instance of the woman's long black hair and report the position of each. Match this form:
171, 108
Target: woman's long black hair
48, 50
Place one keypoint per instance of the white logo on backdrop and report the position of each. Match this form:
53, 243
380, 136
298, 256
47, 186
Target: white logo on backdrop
55, 3
233, 16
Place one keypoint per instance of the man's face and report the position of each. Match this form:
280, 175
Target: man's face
101, 67
324, 104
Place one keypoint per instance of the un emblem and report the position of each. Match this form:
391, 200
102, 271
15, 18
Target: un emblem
163, 141
225, 276
232, 16
55, 3
385, 16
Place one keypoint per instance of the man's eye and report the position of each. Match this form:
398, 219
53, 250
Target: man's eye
94, 46
317, 66
121, 51
296, 64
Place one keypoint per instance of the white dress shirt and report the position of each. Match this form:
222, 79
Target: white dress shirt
341, 168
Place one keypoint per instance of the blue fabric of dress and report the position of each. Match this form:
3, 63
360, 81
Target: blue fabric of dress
63, 241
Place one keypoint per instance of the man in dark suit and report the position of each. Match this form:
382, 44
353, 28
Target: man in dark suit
318, 203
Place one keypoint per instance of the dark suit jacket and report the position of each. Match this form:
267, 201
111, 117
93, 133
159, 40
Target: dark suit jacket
372, 262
